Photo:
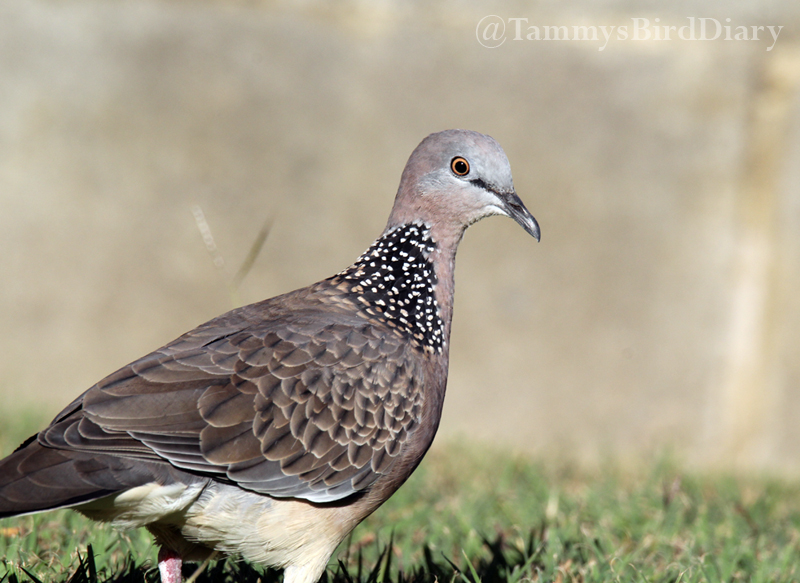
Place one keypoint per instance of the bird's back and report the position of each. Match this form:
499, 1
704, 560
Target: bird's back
297, 396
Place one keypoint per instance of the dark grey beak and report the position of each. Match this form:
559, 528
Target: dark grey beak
517, 211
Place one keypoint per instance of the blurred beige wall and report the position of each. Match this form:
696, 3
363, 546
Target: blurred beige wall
661, 309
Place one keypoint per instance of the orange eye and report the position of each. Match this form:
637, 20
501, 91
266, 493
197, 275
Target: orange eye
459, 166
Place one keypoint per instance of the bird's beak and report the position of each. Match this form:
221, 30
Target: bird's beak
517, 211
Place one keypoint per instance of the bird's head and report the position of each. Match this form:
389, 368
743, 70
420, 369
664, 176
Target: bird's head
455, 178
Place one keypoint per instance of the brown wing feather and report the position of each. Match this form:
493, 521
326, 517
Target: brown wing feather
37, 477
305, 406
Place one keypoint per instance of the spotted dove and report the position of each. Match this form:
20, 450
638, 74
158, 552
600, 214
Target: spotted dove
271, 431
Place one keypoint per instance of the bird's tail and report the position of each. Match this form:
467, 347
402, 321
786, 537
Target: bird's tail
36, 478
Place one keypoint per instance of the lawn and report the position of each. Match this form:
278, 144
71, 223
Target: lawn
471, 513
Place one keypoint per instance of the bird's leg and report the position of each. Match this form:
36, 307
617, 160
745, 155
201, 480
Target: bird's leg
169, 565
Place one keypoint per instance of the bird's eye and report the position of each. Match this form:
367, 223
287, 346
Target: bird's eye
459, 166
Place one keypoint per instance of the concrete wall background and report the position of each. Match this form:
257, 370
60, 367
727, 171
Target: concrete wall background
659, 311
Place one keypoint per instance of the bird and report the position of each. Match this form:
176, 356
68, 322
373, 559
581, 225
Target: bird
269, 432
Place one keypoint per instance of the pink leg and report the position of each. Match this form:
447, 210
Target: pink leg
169, 565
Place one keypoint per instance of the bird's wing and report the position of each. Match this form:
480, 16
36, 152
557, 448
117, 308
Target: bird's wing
294, 407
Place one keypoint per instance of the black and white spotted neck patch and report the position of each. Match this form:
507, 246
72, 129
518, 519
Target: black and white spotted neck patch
395, 278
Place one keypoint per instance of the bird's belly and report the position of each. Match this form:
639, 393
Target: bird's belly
269, 531
207, 515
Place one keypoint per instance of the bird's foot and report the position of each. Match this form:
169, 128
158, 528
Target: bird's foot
169, 565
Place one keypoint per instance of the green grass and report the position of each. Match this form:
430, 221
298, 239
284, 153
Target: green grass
472, 514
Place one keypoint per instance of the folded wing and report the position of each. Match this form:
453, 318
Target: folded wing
294, 408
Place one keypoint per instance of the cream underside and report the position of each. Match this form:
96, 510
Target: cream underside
291, 534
